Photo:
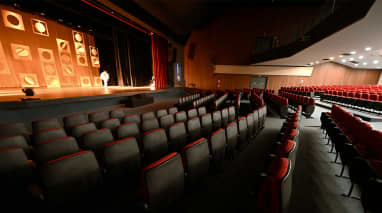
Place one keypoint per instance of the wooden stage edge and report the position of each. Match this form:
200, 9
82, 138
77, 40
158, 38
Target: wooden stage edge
12, 98
15, 94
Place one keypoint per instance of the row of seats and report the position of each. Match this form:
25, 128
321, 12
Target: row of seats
204, 101
274, 194
363, 101
261, 91
305, 91
277, 103
360, 148
118, 162
220, 101
294, 100
188, 99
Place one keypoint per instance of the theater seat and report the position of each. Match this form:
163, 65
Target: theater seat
149, 124
172, 110
243, 132
78, 130
194, 129
15, 141
132, 118
46, 123
166, 120
47, 134
97, 117
17, 128
162, 182
72, 120
232, 137
122, 162
216, 120
192, 113
111, 123
256, 126
16, 173
206, 123
217, 144
126, 130
202, 110
72, 180
225, 116
148, 115
275, 192
231, 113
161, 112
196, 160
118, 113
181, 116
177, 136
154, 145
250, 125
55, 148
96, 139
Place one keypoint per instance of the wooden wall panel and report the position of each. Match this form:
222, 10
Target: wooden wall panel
27, 37
229, 40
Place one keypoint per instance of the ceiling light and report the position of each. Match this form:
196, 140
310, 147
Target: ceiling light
317, 62
351, 59
364, 63
343, 60
375, 62
341, 56
356, 65
311, 63
353, 52
331, 58
360, 57
367, 48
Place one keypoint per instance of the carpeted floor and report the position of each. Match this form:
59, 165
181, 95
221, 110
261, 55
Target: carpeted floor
316, 189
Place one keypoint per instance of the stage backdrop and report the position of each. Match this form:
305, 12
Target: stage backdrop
37, 52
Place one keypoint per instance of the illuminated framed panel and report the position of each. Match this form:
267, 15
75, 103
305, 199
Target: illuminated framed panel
85, 81
28, 80
94, 56
97, 81
40, 27
48, 65
79, 47
13, 20
21, 52
4, 68
65, 57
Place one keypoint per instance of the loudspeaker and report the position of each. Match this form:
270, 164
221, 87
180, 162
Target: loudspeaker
191, 51
171, 54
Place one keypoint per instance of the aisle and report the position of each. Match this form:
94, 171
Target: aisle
316, 188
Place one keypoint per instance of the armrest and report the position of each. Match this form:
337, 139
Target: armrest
35, 191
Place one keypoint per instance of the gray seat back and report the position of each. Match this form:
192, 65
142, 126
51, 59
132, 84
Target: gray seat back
55, 148
154, 145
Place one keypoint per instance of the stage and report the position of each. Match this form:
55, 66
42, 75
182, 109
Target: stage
56, 102
15, 94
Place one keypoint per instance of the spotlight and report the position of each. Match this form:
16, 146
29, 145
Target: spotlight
353, 52
331, 58
367, 48
28, 91
375, 62
360, 57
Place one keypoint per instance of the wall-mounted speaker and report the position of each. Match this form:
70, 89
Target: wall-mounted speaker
191, 51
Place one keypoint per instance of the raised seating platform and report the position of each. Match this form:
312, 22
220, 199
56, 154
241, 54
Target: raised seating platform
371, 117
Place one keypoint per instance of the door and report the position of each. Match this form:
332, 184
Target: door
259, 82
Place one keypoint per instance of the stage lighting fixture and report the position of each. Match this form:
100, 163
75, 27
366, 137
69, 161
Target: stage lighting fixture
28, 91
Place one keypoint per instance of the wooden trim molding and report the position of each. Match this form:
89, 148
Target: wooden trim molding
263, 70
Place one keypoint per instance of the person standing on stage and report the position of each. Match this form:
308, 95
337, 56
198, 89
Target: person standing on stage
105, 78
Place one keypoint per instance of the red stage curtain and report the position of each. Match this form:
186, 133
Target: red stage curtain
159, 52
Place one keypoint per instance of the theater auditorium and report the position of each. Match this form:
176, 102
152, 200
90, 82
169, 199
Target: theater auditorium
229, 106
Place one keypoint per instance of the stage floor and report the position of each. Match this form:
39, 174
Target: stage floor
15, 94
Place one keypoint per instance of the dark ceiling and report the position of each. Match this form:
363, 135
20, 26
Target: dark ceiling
181, 17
